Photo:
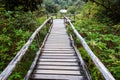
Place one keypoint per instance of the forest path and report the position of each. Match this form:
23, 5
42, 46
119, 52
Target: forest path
58, 59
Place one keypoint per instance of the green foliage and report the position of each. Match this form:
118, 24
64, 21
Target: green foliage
15, 76
102, 35
24, 65
111, 8
72, 10
40, 20
53, 6
26, 5
16, 28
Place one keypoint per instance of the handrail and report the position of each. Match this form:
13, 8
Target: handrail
80, 59
107, 75
11, 66
27, 77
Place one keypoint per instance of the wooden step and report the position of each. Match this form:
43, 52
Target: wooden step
59, 63
58, 67
55, 43
62, 52
62, 72
58, 47
59, 60
58, 57
44, 49
53, 54
56, 77
58, 52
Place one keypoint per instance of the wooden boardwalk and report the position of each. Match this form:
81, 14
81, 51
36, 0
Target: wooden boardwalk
58, 59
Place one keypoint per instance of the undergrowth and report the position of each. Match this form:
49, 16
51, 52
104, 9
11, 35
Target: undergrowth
102, 35
16, 28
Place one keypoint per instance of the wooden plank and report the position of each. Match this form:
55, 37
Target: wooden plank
59, 60
57, 77
58, 67
59, 37
66, 45
63, 72
56, 40
57, 43
58, 51
51, 40
59, 63
60, 34
50, 54
54, 36
65, 36
53, 33
58, 57
63, 39
58, 47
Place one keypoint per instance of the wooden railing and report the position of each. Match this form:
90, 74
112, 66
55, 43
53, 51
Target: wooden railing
12, 65
27, 77
88, 76
107, 75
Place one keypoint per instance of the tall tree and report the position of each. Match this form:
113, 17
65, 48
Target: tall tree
112, 7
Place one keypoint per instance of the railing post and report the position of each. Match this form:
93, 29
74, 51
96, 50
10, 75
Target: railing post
38, 39
47, 25
75, 39
51, 21
64, 19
